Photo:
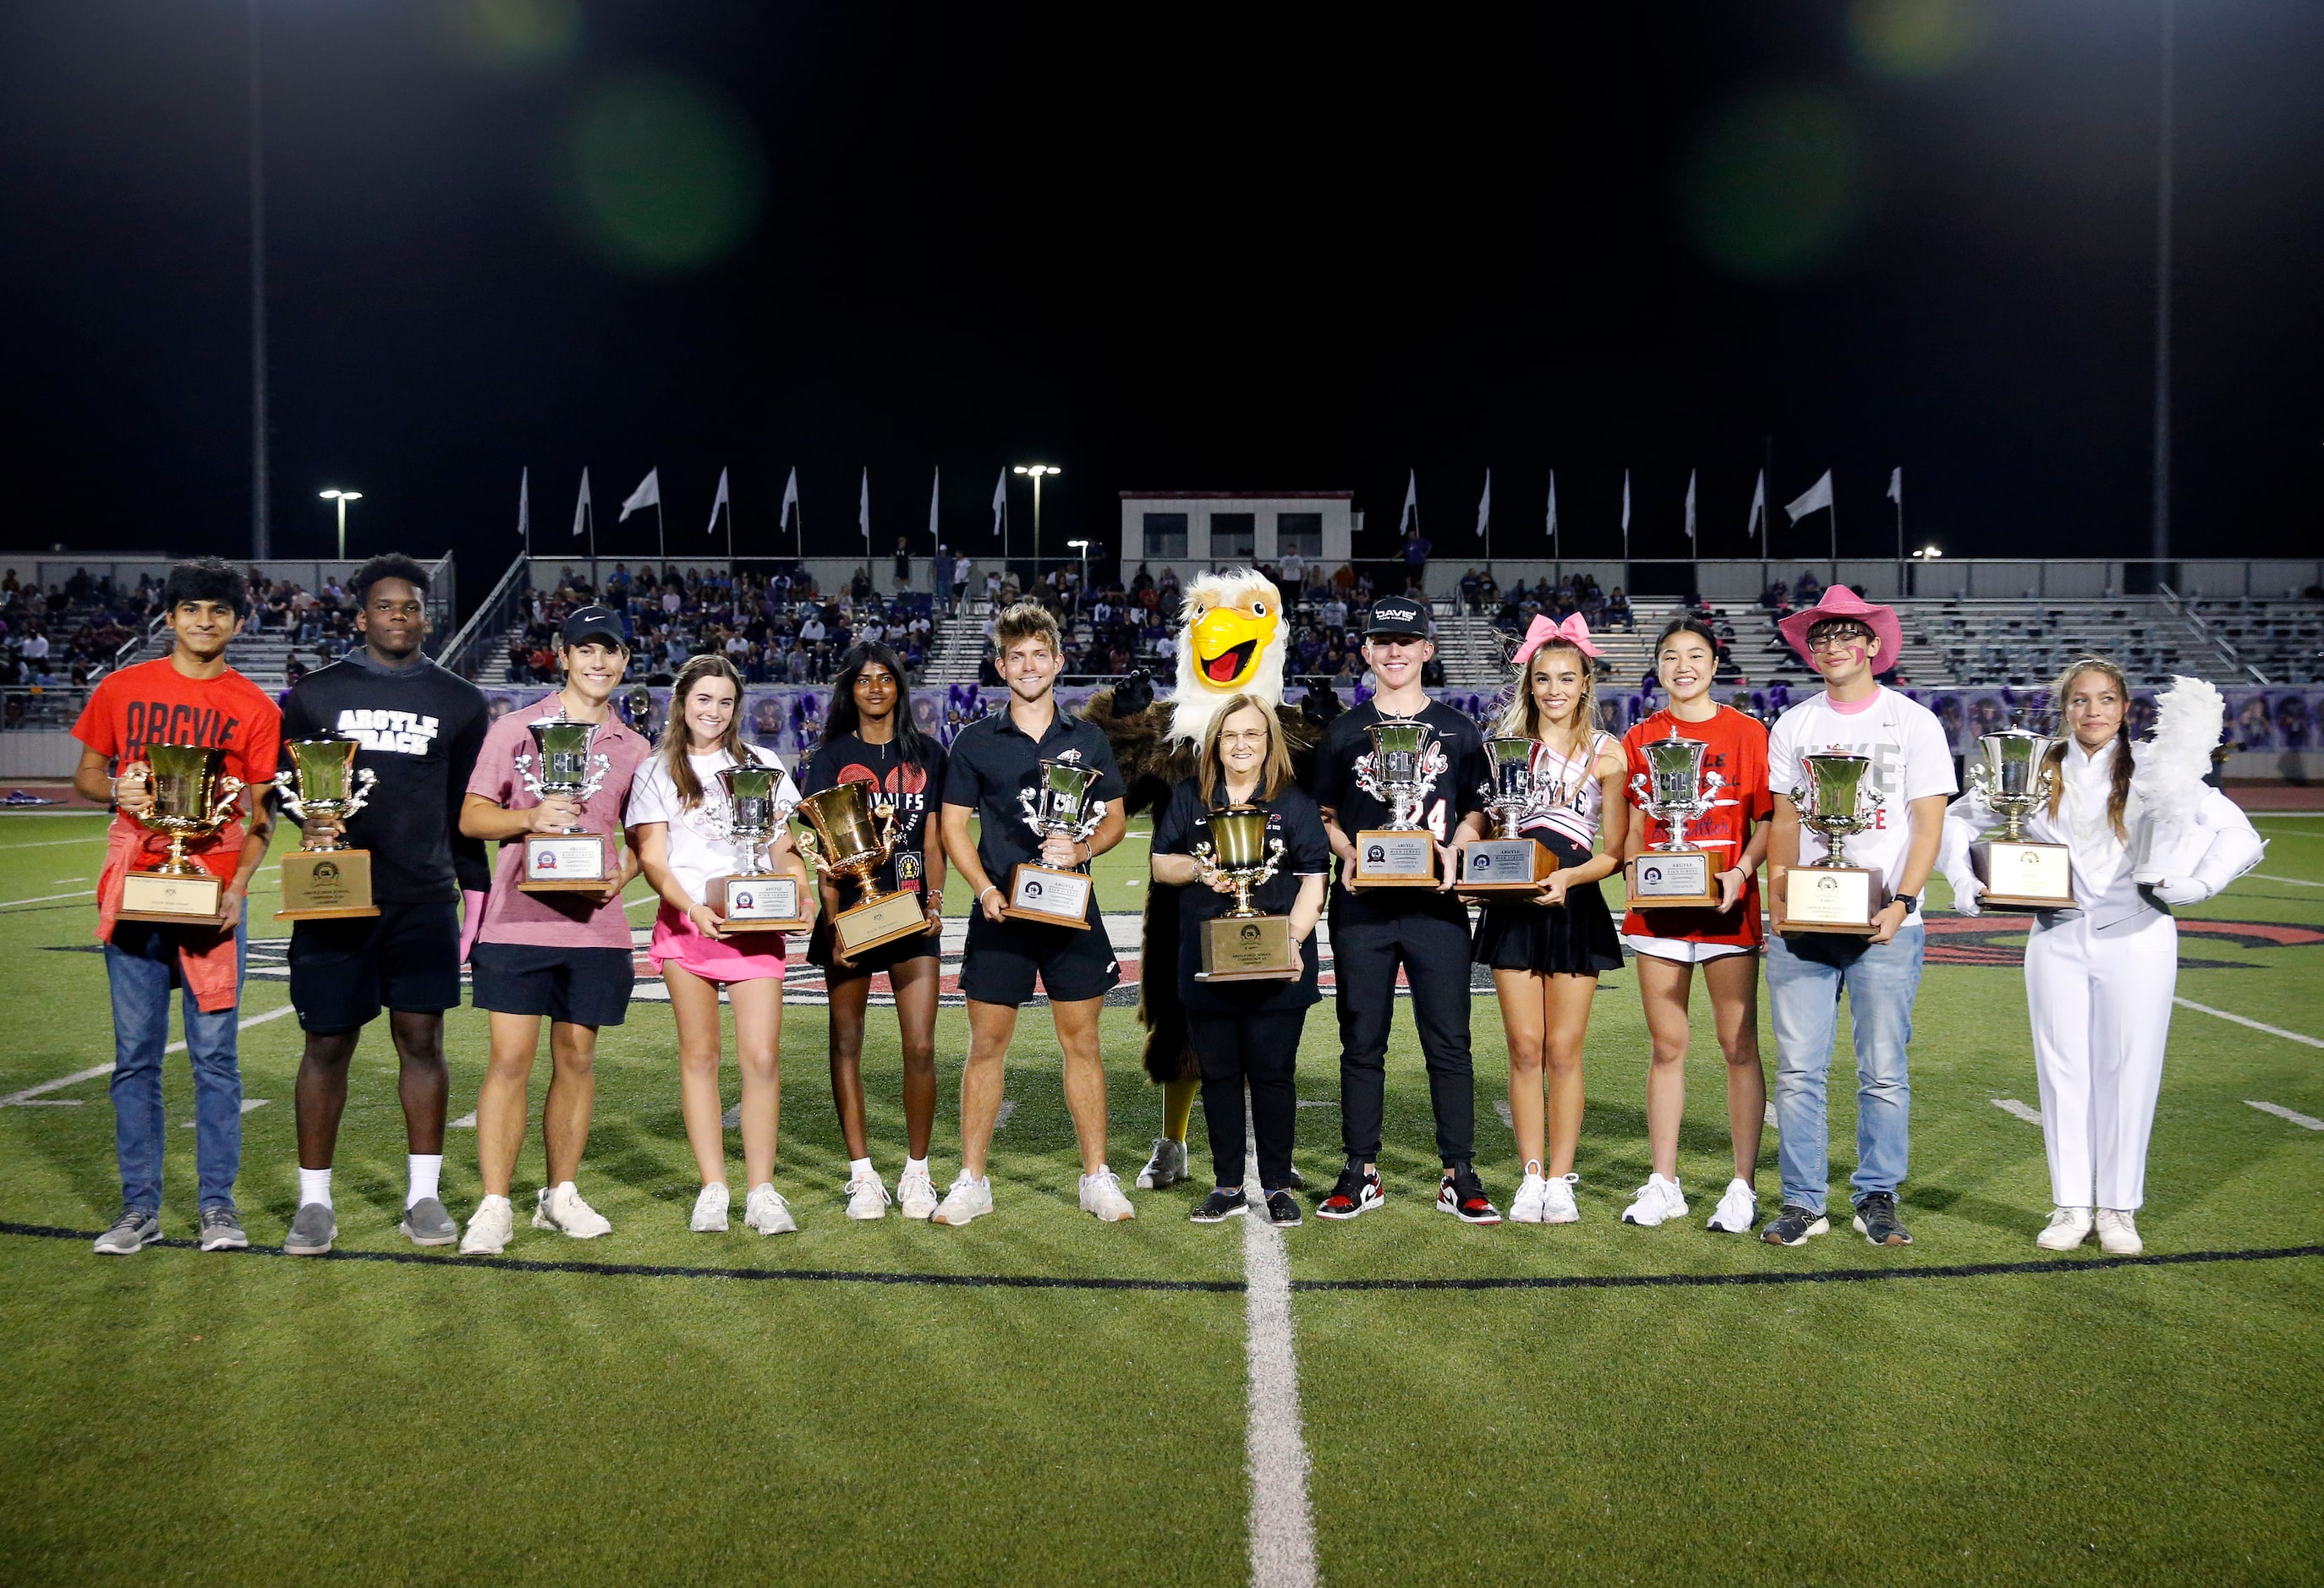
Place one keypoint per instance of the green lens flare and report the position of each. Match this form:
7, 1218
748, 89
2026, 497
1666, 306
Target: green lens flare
659, 174
1774, 186
1918, 38
511, 35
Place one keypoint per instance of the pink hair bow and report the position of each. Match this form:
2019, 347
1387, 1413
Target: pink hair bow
1573, 631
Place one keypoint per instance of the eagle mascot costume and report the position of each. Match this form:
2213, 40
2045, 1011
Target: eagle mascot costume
1232, 638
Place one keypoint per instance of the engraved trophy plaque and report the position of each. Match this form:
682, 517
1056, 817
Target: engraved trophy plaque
323, 879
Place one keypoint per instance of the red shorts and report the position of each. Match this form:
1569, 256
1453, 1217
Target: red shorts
675, 938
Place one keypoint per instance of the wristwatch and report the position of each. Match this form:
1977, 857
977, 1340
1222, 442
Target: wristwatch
1911, 902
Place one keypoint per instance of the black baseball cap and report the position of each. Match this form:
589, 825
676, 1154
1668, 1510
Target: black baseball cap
585, 623
1400, 614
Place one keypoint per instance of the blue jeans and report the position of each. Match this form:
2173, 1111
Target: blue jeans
1804, 979
142, 965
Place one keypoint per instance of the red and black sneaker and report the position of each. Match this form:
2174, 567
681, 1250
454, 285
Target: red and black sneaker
1462, 1195
1358, 1191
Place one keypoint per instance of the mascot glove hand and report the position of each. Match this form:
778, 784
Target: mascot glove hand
2181, 890
1967, 891
1319, 704
1134, 693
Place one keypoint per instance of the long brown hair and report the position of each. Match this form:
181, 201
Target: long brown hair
1522, 718
2061, 692
675, 736
1273, 773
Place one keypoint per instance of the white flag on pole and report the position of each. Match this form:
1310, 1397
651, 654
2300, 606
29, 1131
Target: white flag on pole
864, 511
646, 494
524, 506
1411, 513
1758, 524
1896, 485
581, 507
935, 495
1690, 505
1000, 500
790, 499
1553, 502
1626, 502
1485, 507
1818, 495
718, 502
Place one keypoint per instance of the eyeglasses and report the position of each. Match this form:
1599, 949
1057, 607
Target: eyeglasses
1837, 638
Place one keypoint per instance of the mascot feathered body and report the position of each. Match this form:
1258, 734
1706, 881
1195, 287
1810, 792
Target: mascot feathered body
1233, 639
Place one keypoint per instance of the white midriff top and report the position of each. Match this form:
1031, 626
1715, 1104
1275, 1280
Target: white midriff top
1567, 798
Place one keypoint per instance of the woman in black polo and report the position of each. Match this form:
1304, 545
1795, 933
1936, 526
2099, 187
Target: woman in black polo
1245, 1031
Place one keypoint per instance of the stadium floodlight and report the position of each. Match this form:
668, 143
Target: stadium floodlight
342, 498
1928, 554
1035, 471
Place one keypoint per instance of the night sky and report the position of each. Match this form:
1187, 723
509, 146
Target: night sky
1213, 249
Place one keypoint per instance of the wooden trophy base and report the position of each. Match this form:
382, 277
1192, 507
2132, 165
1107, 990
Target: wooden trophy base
1395, 858
1672, 879
173, 900
1049, 898
1831, 898
878, 920
565, 863
757, 903
325, 884
1504, 866
2024, 876
1250, 948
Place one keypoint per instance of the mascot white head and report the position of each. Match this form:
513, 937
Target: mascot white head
1231, 640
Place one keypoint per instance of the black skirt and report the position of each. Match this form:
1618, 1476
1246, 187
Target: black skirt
1576, 938
885, 957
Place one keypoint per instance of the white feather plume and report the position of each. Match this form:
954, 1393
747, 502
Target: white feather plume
2189, 717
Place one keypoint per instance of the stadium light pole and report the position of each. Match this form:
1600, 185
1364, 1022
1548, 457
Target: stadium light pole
2160, 546
1035, 471
342, 498
1081, 591
262, 533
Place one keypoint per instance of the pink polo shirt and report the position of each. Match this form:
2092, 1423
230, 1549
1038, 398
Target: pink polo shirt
554, 921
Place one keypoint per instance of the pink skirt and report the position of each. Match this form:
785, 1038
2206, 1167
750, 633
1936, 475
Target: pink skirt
677, 938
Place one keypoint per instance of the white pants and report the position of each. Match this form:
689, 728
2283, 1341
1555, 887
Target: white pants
2100, 1002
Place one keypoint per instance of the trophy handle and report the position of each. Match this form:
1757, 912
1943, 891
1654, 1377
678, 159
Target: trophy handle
526, 776
361, 794
229, 790
286, 791
599, 765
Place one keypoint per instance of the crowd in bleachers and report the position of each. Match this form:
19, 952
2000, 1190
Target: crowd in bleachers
69, 634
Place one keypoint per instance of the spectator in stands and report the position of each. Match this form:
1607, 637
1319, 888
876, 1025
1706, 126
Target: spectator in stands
1618, 611
1415, 552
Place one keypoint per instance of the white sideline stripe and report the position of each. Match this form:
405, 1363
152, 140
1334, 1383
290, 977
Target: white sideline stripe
52, 842
2254, 1025
241, 1025
47, 897
248, 1105
1001, 1117
1771, 1112
2281, 1112
20, 1099
732, 1118
466, 1121
2295, 881
1282, 1527
1502, 1107
2010, 1105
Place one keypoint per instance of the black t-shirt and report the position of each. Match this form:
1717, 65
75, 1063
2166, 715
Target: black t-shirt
910, 790
1291, 816
992, 761
420, 728
1454, 791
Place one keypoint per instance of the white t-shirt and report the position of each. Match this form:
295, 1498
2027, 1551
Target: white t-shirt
696, 850
1910, 761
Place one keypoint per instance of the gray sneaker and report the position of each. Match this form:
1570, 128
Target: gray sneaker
427, 1223
312, 1232
130, 1231
222, 1229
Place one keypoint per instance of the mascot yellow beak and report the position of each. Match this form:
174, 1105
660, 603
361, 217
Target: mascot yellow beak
1228, 641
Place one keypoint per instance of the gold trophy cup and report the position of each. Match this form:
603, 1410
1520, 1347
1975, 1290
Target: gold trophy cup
854, 836
1830, 895
323, 879
1243, 945
193, 797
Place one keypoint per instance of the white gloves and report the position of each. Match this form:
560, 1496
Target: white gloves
1967, 891
2181, 890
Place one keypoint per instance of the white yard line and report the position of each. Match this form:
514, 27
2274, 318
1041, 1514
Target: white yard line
23, 1099
2252, 1024
248, 1105
1000, 1115
52, 842
49, 898
1282, 1527
466, 1121
1502, 1107
2281, 1112
2295, 881
2011, 1106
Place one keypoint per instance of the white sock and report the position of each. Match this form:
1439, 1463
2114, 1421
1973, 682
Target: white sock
426, 1171
314, 1186
859, 1169
916, 1165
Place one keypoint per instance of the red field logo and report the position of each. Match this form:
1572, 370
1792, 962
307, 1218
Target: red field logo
1959, 939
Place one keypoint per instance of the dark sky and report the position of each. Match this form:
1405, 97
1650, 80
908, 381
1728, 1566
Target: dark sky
1231, 248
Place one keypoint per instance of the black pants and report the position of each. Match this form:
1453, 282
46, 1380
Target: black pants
1264, 1050
1434, 952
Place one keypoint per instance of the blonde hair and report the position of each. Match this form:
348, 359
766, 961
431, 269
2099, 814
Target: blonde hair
2061, 692
1522, 717
1028, 620
1275, 772
678, 739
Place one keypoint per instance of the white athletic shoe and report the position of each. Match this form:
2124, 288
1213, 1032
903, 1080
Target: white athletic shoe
1738, 1209
2118, 1233
1166, 1168
915, 1194
2068, 1228
968, 1199
1659, 1199
561, 1207
1557, 1206
765, 1211
710, 1210
1101, 1195
490, 1228
1532, 1200
867, 1198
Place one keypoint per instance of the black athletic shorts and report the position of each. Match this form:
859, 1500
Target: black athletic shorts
406, 957
1003, 957
580, 987
886, 956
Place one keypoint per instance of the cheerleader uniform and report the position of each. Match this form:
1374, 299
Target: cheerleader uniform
1576, 938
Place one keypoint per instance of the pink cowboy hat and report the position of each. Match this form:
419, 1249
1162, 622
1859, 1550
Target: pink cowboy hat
1840, 601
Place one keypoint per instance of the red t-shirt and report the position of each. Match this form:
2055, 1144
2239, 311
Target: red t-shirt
153, 703
1738, 753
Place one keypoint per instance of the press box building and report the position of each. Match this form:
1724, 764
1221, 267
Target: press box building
1194, 531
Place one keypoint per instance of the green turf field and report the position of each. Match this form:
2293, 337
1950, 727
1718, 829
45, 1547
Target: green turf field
855, 1404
